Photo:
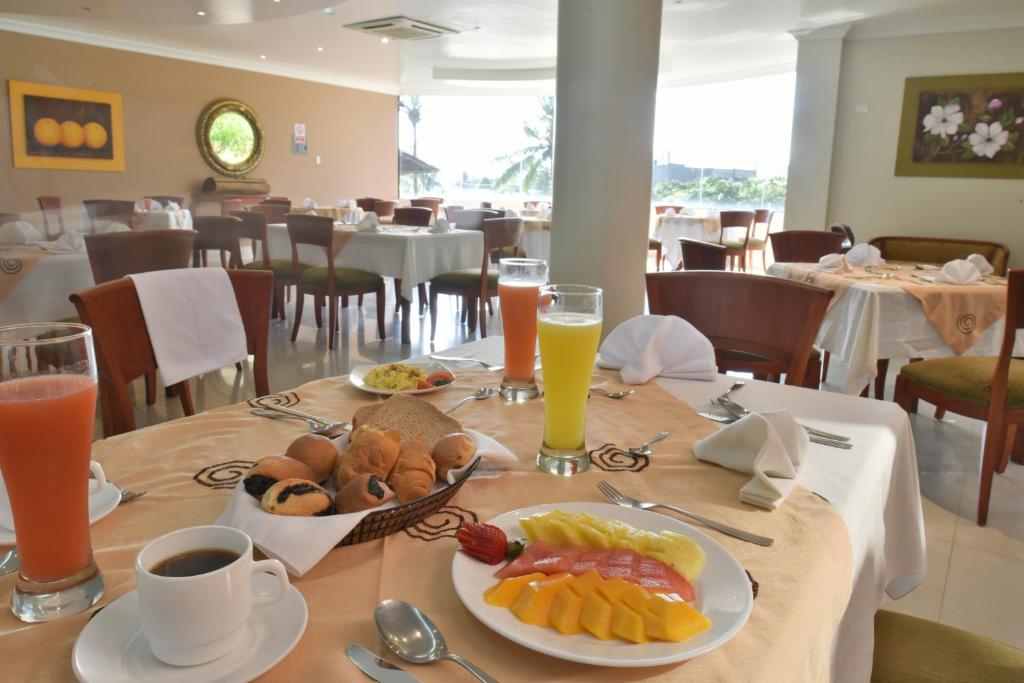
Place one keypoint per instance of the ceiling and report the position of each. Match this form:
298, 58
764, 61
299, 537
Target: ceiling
502, 45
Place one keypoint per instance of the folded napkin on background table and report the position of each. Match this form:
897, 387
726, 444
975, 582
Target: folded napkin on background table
193, 320
19, 232
958, 272
670, 212
864, 254
300, 542
650, 346
308, 203
369, 223
833, 263
981, 263
103, 227
173, 206
441, 225
771, 446
70, 242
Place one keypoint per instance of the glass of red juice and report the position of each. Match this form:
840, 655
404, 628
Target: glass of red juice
47, 410
519, 283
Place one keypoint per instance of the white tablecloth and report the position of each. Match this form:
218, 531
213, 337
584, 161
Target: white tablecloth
873, 486
42, 295
670, 228
872, 321
415, 257
163, 219
537, 244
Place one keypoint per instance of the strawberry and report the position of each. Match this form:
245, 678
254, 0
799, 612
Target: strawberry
483, 542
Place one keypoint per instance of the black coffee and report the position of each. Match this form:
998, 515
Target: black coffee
195, 562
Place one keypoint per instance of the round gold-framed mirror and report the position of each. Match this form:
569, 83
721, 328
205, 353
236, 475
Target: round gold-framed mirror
230, 137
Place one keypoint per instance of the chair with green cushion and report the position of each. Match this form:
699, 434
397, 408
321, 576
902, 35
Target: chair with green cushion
254, 228
330, 282
984, 388
940, 250
219, 234
909, 650
767, 369
736, 249
477, 285
755, 243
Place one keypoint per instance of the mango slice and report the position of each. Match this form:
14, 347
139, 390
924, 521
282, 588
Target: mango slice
587, 583
565, 612
533, 606
669, 617
596, 616
505, 593
627, 624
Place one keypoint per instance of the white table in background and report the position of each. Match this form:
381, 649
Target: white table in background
669, 229
42, 295
163, 219
873, 486
536, 238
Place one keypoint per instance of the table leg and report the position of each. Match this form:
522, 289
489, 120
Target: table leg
406, 306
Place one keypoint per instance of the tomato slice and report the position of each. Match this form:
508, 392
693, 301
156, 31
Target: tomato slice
424, 384
440, 378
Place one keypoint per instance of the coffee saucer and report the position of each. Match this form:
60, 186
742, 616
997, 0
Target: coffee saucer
112, 649
101, 504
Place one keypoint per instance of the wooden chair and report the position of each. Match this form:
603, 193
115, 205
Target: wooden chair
274, 213
122, 211
662, 208
486, 205
804, 246
698, 255
53, 221
984, 388
847, 232
655, 246
477, 285
124, 351
432, 203
166, 199
472, 219
278, 201
766, 324
413, 215
385, 208
328, 282
755, 243
736, 250
940, 250
220, 234
9, 217
254, 227
367, 203
227, 206
115, 254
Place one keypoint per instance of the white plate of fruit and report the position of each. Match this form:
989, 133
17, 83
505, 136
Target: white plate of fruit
602, 584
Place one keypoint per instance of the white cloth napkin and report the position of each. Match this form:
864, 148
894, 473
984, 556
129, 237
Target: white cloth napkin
308, 203
958, 272
193, 320
441, 225
173, 206
102, 227
834, 263
669, 212
981, 263
771, 446
301, 542
70, 243
864, 254
19, 232
650, 346
369, 223
343, 203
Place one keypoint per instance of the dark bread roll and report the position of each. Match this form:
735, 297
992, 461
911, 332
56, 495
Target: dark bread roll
272, 469
297, 498
362, 493
316, 451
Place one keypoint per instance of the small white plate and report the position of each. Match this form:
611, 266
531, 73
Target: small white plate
101, 504
357, 378
723, 595
112, 649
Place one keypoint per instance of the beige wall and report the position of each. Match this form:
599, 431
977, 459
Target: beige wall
865, 193
354, 131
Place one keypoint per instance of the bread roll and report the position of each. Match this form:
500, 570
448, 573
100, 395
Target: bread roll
413, 476
370, 451
365, 491
452, 452
272, 469
364, 413
316, 451
297, 498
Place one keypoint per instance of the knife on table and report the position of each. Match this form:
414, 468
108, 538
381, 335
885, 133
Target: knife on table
376, 668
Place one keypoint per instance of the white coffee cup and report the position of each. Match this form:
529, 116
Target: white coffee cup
195, 619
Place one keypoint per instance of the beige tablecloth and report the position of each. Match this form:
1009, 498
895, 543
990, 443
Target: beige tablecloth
188, 467
16, 262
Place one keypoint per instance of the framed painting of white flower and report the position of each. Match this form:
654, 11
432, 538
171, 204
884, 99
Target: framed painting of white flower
967, 126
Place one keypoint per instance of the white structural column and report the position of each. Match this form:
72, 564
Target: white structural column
604, 128
818, 65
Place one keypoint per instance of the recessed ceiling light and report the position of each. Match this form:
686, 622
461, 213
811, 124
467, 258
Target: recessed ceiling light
385, 40
263, 56
319, 49
201, 13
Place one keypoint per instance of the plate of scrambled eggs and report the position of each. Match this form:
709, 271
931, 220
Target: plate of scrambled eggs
402, 378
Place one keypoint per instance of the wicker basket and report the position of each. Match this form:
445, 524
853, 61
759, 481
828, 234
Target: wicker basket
391, 520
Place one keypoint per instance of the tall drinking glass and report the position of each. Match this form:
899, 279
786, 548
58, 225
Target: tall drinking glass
47, 409
569, 328
519, 283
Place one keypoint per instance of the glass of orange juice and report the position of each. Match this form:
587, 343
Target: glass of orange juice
569, 329
519, 283
47, 410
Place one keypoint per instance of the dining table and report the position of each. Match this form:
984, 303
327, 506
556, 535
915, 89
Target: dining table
536, 238
36, 281
411, 255
898, 311
162, 219
849, 532
668, 230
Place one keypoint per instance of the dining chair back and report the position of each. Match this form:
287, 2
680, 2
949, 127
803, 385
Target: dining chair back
275, 213
53, 221
113, 255
847, 232
413, 215
9, 217
166, 199
940, 250
367, 203
662, 208
124, 351
804, 246
432, 203
229, 205
220, 234
253, 227
384, 208
472, 219
767, 317
736, 246
119, 210
698, 255
280, 201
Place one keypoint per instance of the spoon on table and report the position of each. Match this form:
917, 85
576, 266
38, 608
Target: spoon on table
328, 429
612, 394
645, 447
478, 395
411, 635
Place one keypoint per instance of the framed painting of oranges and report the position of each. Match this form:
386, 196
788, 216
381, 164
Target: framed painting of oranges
57, 127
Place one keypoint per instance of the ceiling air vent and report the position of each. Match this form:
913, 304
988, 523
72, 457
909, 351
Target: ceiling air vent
401, 28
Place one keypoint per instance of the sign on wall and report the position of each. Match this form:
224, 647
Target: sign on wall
299, 145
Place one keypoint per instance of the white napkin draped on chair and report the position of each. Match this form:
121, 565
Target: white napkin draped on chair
369, 223
650, 346
19, 232
864, 254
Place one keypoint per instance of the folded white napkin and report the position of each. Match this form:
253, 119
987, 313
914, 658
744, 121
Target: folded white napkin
369, 223
301, 542
70, 243
658, 345
103, 227
441, 225
669, 212
308, 203
834, 263
342, 203
958, 272
981, 263
19, 232
864, 254
173, 206
771, 446
193, 320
